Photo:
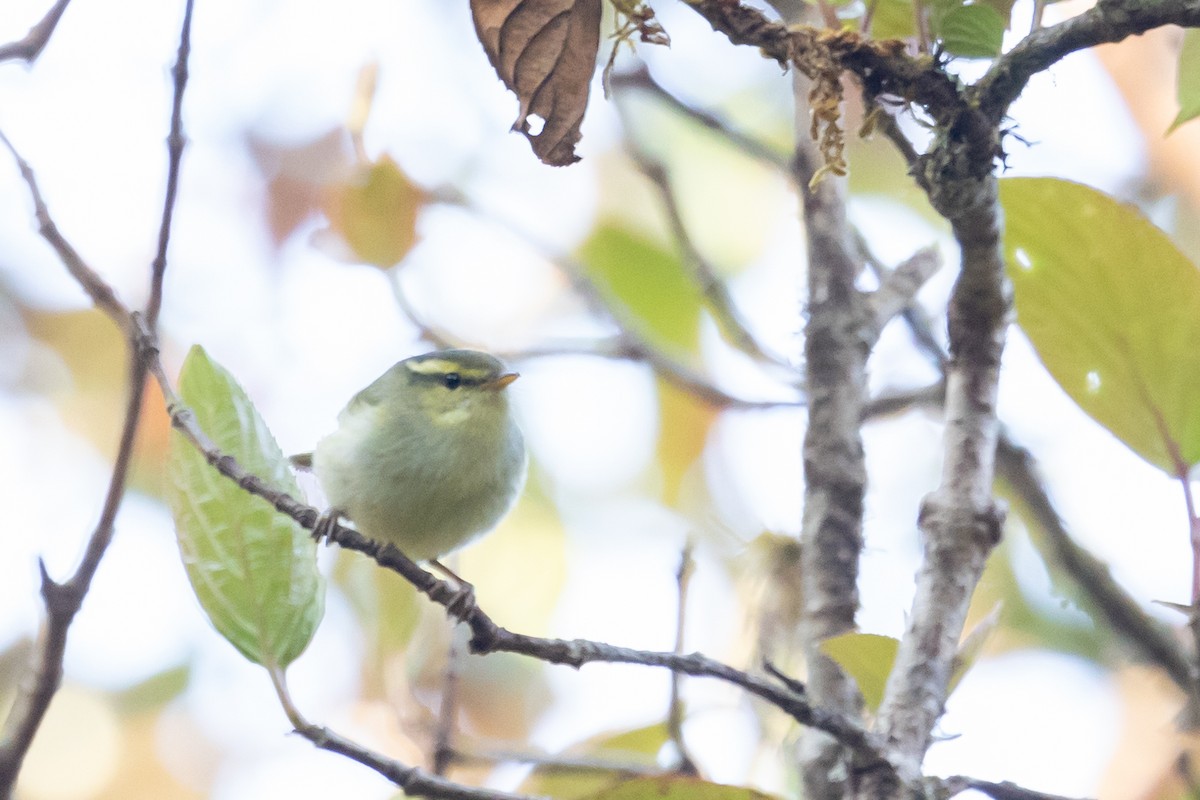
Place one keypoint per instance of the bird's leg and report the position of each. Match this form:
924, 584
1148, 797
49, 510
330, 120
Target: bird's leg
462, 603
325, 525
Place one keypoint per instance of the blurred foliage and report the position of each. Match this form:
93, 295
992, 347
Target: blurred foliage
970, 29
1188, 79
683, 428
645, 286
84, 368
151, 694
519, 569
1113, 309
675, 787
767, 572
374, 212
734, 206
298, 176
388, 610
637, 748
141, 778
1053, 621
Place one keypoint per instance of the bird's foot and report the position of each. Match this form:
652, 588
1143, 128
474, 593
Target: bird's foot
461, 602
325, 525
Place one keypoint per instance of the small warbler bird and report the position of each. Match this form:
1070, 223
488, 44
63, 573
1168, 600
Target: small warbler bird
429, 456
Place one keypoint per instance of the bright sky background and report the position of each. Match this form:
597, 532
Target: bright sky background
303, 332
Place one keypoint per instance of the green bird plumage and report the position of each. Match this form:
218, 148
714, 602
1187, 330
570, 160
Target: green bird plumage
429, 456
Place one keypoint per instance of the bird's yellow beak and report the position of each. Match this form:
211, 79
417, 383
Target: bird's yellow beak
502, 381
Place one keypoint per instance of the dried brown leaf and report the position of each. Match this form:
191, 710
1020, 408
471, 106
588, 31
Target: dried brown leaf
545, 52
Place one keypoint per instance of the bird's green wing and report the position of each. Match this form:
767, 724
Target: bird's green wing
301, 461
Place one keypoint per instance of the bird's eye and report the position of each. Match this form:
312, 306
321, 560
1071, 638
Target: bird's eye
451, 380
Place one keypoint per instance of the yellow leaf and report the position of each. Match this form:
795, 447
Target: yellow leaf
375, 213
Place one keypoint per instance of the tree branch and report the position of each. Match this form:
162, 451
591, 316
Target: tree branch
31, 45
175, 143
413, 781
960, 520
1146, 636
101, 294
838, 337
560, 762
898, 287
489, 637
63, 600
1107, 21
999, 791
641, 80
728, 318
626, 345
685, 764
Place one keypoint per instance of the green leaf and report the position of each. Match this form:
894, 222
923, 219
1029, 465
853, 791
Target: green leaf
866, 657
893, 19
1187, 88
975, 31
253, 569
637, 747
1113, 309
154, 692
645, 286
1003, 8
675, 787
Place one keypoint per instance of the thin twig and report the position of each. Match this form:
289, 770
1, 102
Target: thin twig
1194, 530
175, 144
887, 124
447, 719
414, 781
100, 292
898, 287
489, 637
438, 337
642, 80
725, 312
1001, 791
1107, 21
1141, 632
29, 47
683, 580
899, 401
559, 762
868, 17
63, 600
626, 345
919, 323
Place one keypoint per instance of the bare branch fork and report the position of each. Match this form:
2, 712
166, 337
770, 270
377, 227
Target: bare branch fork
64, 599
952, 172
487, 636
29, 47
961, 520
